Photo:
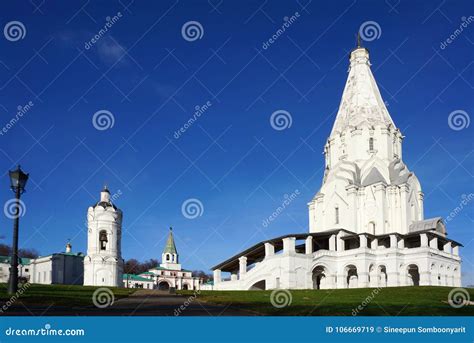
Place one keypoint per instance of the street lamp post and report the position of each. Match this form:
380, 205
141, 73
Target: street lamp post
18, 181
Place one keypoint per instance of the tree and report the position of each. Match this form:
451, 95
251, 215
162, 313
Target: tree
133, 266
202, 275
151, 263
130, 266
6, 250
28, 253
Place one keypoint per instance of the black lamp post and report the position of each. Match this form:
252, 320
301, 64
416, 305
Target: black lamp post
18, 181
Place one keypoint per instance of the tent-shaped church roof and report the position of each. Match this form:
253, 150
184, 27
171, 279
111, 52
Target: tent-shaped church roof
170, 247
361, 102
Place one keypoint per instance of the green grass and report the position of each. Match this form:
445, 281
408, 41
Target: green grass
403, 301
59, 295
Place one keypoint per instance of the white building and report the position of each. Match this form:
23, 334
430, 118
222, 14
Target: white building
137, 281
103, 264
23, 268
366, 224
168, 274
66, 268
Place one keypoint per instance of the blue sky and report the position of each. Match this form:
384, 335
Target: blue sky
151, 79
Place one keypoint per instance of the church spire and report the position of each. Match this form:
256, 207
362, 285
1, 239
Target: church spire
170, 247
361, 102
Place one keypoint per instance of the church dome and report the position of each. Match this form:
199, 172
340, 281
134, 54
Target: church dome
105, 204
105, 201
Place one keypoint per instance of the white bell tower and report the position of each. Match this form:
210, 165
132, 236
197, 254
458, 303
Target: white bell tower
103, 265
169, 257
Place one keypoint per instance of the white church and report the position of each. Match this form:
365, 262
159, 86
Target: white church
366, 223
169, 274
103, 264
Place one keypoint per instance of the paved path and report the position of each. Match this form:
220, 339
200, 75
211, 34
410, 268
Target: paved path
141, 303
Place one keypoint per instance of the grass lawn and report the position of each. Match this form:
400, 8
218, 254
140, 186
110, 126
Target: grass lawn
404, 301
59, 295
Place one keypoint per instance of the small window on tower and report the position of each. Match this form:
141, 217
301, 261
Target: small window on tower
371, 144
372, 228
103, 240
336, 215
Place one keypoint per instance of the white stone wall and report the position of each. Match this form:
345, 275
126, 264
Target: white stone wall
23, 271
378, 267
175, 278
378, 208
138, 284
41, 270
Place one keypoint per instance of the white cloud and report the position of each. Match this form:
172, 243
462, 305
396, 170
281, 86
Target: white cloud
110, 51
